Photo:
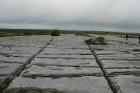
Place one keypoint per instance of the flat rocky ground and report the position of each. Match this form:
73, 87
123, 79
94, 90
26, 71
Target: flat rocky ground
42, 64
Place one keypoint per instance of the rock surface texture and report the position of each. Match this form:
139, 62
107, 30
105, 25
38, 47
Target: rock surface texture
65, 63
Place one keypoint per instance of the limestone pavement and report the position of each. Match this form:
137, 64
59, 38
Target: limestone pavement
67, 64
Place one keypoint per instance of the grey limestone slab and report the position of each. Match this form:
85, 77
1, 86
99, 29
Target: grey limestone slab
85, 84
56, 71
116, 72
64, 62
120, 64
2, 79
111, 52
66, 56
120, 56
9, 69
69, 46
64, 51
126, 83
13, 59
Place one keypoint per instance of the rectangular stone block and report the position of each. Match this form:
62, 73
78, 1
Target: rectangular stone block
57, 71
86, 84
64, 51
65, 62
66, 56
116, 72
126, 84
120, 64
10, 69
13, 59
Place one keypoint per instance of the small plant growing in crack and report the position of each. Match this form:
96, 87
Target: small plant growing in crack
5, 84
55, 91
39, 91
136, 50
24, 65
29, 76
20, 90
96, 41
99, 49
92, 50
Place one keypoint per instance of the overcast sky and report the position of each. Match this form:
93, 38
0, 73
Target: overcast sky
107, 15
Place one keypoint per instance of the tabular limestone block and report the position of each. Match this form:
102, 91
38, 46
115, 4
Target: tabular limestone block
64, 51
66, 56
9, 69
120, 64
64, 62
110, 52
85, 84
126, 84
13, 59
55, 71
68, 46
114, 72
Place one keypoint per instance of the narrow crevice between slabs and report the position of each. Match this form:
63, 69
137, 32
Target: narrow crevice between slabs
61, 76
106, 77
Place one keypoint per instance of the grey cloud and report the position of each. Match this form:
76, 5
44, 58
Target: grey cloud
113, 15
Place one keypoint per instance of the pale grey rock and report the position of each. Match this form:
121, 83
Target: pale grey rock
66, 56
115, 72
126, 84
120, 64
10, 69
65, 62
64, 51
55, 71
13, 59
85, 84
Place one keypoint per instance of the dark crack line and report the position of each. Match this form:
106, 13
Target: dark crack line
106, 77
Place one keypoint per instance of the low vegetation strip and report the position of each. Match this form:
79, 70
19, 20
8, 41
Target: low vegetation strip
25, 32
96, 41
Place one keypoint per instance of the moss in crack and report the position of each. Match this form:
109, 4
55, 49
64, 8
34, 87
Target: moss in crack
55, 91
28, 76
5, 84
99, 49
86, 54
96, 41
136, 50
20, 90
39, 91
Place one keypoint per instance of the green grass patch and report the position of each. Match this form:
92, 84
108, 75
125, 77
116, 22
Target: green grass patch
28, 76
5, 84
96, 41
92, 50
26, 32
136, 50
55, 91
39, 91
86, 54
55, 32
99, 49
20, 90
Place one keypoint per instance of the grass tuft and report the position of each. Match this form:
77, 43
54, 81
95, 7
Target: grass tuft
136, 50
96, 41
55, 32
5, 84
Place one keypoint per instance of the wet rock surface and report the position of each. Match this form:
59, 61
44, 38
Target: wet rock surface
67, 64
